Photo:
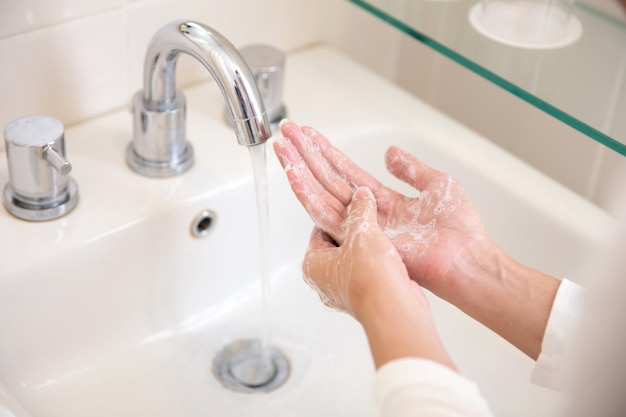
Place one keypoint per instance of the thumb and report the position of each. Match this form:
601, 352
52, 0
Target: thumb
362, 211
408, 168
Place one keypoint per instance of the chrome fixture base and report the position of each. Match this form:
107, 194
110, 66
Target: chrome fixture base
37, 211
39, 186
240, 366
156, 169
159, 148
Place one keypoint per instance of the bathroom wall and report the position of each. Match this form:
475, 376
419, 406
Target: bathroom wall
76, 60
556, 149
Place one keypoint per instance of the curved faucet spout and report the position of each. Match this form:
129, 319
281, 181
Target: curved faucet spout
159, 147
221, 59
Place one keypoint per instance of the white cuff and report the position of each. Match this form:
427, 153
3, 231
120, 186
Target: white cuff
414, 387
561, 330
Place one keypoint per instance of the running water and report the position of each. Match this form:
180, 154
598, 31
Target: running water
255, 365
259, 166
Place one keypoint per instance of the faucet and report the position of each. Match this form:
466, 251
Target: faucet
40, 187
159, 147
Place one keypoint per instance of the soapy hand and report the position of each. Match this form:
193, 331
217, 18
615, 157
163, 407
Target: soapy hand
438, 234
364, 261
365, 277
439, 237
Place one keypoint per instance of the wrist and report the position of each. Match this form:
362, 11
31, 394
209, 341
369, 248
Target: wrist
398, 323
508, 297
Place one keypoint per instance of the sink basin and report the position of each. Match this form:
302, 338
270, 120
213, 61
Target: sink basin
117, 310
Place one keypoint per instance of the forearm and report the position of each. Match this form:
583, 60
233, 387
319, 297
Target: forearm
399, 325
509, 298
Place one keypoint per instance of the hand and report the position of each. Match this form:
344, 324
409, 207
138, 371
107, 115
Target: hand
365, 261
437, 234
365, 277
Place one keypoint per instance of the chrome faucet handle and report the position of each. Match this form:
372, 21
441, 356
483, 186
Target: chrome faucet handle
39, 186
56, 160
268, 67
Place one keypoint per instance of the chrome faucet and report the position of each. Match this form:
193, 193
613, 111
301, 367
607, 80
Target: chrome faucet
40, 187
159, 147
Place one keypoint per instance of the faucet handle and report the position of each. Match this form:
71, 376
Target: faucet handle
268, 67
56, 160
39, 186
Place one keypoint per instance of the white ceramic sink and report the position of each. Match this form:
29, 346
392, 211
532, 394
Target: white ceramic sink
116, 310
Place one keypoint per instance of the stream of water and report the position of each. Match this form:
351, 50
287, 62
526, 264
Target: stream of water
259, 166
254, 365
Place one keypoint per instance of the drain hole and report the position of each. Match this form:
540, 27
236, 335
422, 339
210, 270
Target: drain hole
242, 366
202, 224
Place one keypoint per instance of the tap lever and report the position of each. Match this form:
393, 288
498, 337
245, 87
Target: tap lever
39, 186
268, 66
56, 160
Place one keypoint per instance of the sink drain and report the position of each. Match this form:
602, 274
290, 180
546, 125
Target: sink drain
243, 366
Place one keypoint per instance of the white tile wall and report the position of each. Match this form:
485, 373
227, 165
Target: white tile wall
75, 59
286, 24
551, 146
20, 16
71, 71
363, 37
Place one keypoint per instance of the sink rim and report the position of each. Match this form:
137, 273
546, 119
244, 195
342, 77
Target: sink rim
215, 172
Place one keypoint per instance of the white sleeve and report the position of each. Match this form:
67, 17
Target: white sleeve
561, 330
414, 387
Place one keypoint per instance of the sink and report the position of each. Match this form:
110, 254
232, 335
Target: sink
118, 310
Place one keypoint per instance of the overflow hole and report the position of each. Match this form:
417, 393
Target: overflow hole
202, 224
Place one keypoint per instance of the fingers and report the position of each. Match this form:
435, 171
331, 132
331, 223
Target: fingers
319, 166
326, 211
320, 240
319, 260
344, 166
361, 218
362, 213
327, 268
409, 169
